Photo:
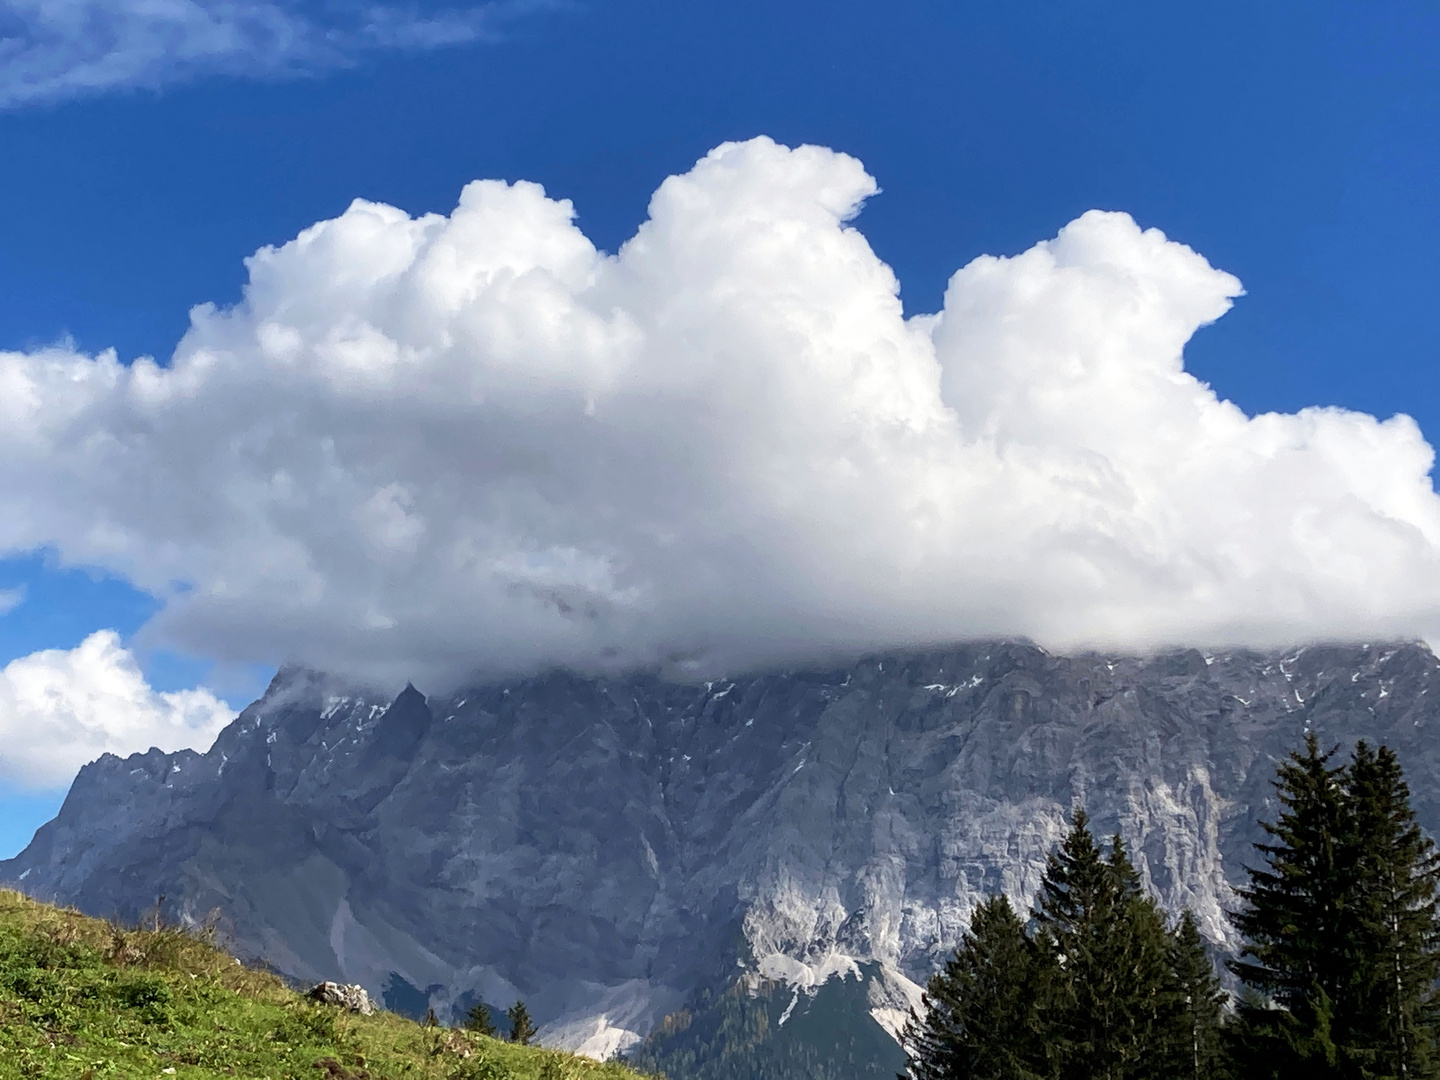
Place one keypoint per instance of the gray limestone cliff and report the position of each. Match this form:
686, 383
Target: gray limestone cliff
605, 846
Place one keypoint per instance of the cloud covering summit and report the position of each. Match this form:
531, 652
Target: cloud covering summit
422, 445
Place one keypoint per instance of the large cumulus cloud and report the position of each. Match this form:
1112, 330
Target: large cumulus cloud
427, 445
63, 707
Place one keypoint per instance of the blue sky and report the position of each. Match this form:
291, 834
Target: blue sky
1293, 145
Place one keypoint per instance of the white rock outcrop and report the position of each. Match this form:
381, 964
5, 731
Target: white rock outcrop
353, 997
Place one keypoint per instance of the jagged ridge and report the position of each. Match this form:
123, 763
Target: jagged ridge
605, 847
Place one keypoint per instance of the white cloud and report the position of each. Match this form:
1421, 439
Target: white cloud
60, 709
425, 445
52, 49
10, 599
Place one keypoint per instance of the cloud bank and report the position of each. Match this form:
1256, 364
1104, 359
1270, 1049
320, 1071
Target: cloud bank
425, 446
60, 709
54, 49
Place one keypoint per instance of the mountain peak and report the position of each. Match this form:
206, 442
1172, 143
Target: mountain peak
608, 847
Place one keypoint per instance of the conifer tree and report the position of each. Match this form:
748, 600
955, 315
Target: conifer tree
1075, 911
477, 1019
1111, 950
1195, 1050
983, 1018
1297, 957
1342, 949
1397, 945
1140, 954
521, 1029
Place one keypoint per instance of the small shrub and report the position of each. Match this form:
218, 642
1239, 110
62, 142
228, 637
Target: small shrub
319, 1024
165, 948
147, 991
123, 951
33, 984
306, 1025
149, 996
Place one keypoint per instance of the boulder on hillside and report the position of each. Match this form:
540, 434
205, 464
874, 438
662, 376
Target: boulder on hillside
351, 997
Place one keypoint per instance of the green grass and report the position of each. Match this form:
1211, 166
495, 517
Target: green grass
84, 998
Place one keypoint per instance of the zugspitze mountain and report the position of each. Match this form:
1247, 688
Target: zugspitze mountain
613, 850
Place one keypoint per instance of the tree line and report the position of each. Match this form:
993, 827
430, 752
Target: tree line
1336, 975
477, 1019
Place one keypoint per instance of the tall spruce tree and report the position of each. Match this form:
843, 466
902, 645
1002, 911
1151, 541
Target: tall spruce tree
1395, 929
1111, 952
1341, 951
477, 1019
1142, 953
1074, 912
1194, 1048
1298, 957
1098, 989
983, 1012
522, 1029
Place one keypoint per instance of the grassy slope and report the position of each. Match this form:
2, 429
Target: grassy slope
82, 998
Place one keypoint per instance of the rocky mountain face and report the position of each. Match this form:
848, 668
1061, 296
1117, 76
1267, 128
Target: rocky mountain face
608, 848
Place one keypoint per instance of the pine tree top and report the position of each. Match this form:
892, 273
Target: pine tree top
522, 1030
1077, 882
477, 1019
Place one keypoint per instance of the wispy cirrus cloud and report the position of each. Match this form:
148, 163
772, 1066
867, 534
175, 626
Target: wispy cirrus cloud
51, 50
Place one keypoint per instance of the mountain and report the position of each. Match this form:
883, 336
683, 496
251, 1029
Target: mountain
788, 848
